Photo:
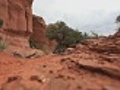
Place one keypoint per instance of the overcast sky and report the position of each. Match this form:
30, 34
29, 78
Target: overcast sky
86, 15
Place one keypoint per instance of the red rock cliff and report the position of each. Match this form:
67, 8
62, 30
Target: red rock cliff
39, 31
17, 17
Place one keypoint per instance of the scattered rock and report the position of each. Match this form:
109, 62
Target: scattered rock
14, 78
69, 51
38, 78
13, 83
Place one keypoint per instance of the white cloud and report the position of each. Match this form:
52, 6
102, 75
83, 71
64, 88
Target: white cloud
80, 13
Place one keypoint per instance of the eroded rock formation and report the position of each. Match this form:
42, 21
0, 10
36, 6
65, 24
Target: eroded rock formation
19, 24
39, 33
39, 29
17, 17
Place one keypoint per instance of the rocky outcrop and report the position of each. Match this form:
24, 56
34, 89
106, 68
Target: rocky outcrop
17, 18
39, 29
39, 33
17, 15
106, 45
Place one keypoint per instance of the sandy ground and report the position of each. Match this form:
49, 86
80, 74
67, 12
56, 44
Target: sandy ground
75, 71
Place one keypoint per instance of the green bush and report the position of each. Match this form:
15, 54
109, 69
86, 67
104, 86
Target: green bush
118, 19
64, 36
118, 22
1, 22
2, 45
32, 43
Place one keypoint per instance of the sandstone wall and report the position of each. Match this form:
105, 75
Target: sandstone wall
19, 24
17, 17
39, 31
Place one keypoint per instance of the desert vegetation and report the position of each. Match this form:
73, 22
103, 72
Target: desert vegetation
2, 43
118, 19
1, 23
66, 36
118, 22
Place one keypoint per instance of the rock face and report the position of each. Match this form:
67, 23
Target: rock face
39, 30
17, 17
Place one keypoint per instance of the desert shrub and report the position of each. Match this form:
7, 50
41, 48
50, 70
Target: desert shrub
64, 36
118, 22
118, 19
1, 22
32, 43
2, 45
95, 35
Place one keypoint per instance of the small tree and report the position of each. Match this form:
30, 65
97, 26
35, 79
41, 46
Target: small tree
52, 32
2, 45
32, 43
55, 31
95, 35
63, 35
118, 21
